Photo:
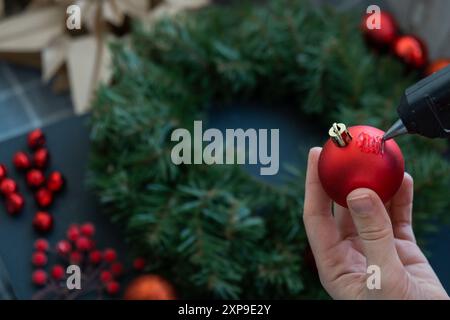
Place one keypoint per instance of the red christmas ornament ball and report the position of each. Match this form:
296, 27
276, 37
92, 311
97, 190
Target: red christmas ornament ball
139, 263
63, 247
39, 277
14, 203
41, 245
110, 255
55, 181
3, 172
58, 272
35, 178
385, 35
436, 66
411, 50
362, 163
39, 259
43, 222
41, 158
21, 161
112, 288
149, 287
44, 198
36, 139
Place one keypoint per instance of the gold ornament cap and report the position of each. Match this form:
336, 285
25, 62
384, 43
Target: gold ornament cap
340, 135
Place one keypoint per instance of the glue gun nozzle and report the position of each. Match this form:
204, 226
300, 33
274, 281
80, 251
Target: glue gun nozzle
397, 129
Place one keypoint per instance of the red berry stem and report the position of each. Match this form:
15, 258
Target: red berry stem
43, 293
90, 284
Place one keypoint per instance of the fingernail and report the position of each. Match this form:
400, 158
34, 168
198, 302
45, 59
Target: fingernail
314, 149
361, 204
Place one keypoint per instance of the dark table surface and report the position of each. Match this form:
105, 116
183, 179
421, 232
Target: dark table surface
68, 142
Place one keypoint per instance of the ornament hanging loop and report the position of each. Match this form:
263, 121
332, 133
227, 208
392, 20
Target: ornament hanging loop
340, 135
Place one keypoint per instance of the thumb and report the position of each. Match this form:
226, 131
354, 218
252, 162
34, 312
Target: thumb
374, 228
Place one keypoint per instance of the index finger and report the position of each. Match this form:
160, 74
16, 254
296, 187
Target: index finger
320, 225
401, 210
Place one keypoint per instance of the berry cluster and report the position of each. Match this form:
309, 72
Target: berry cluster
101, 269
8, 188
44, 188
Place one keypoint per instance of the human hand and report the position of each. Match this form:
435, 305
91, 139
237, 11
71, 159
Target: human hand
368, 233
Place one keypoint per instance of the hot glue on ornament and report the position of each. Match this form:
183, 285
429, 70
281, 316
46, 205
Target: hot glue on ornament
356, 157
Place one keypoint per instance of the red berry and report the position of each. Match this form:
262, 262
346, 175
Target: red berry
110, 255
14, 203
39, 277
83, 244
87, 229
36, 139
41, 158
39, 259
117, 269
8, 186
112, 288
105, 276
21, 161
75, 257
43, 222
41, 245
44, 197
63, 247
58, 272
139, 264
35, 178
55, 181
95, 256
3, 172
73, 232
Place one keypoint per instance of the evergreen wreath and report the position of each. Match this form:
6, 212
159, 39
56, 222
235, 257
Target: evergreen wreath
215, 231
